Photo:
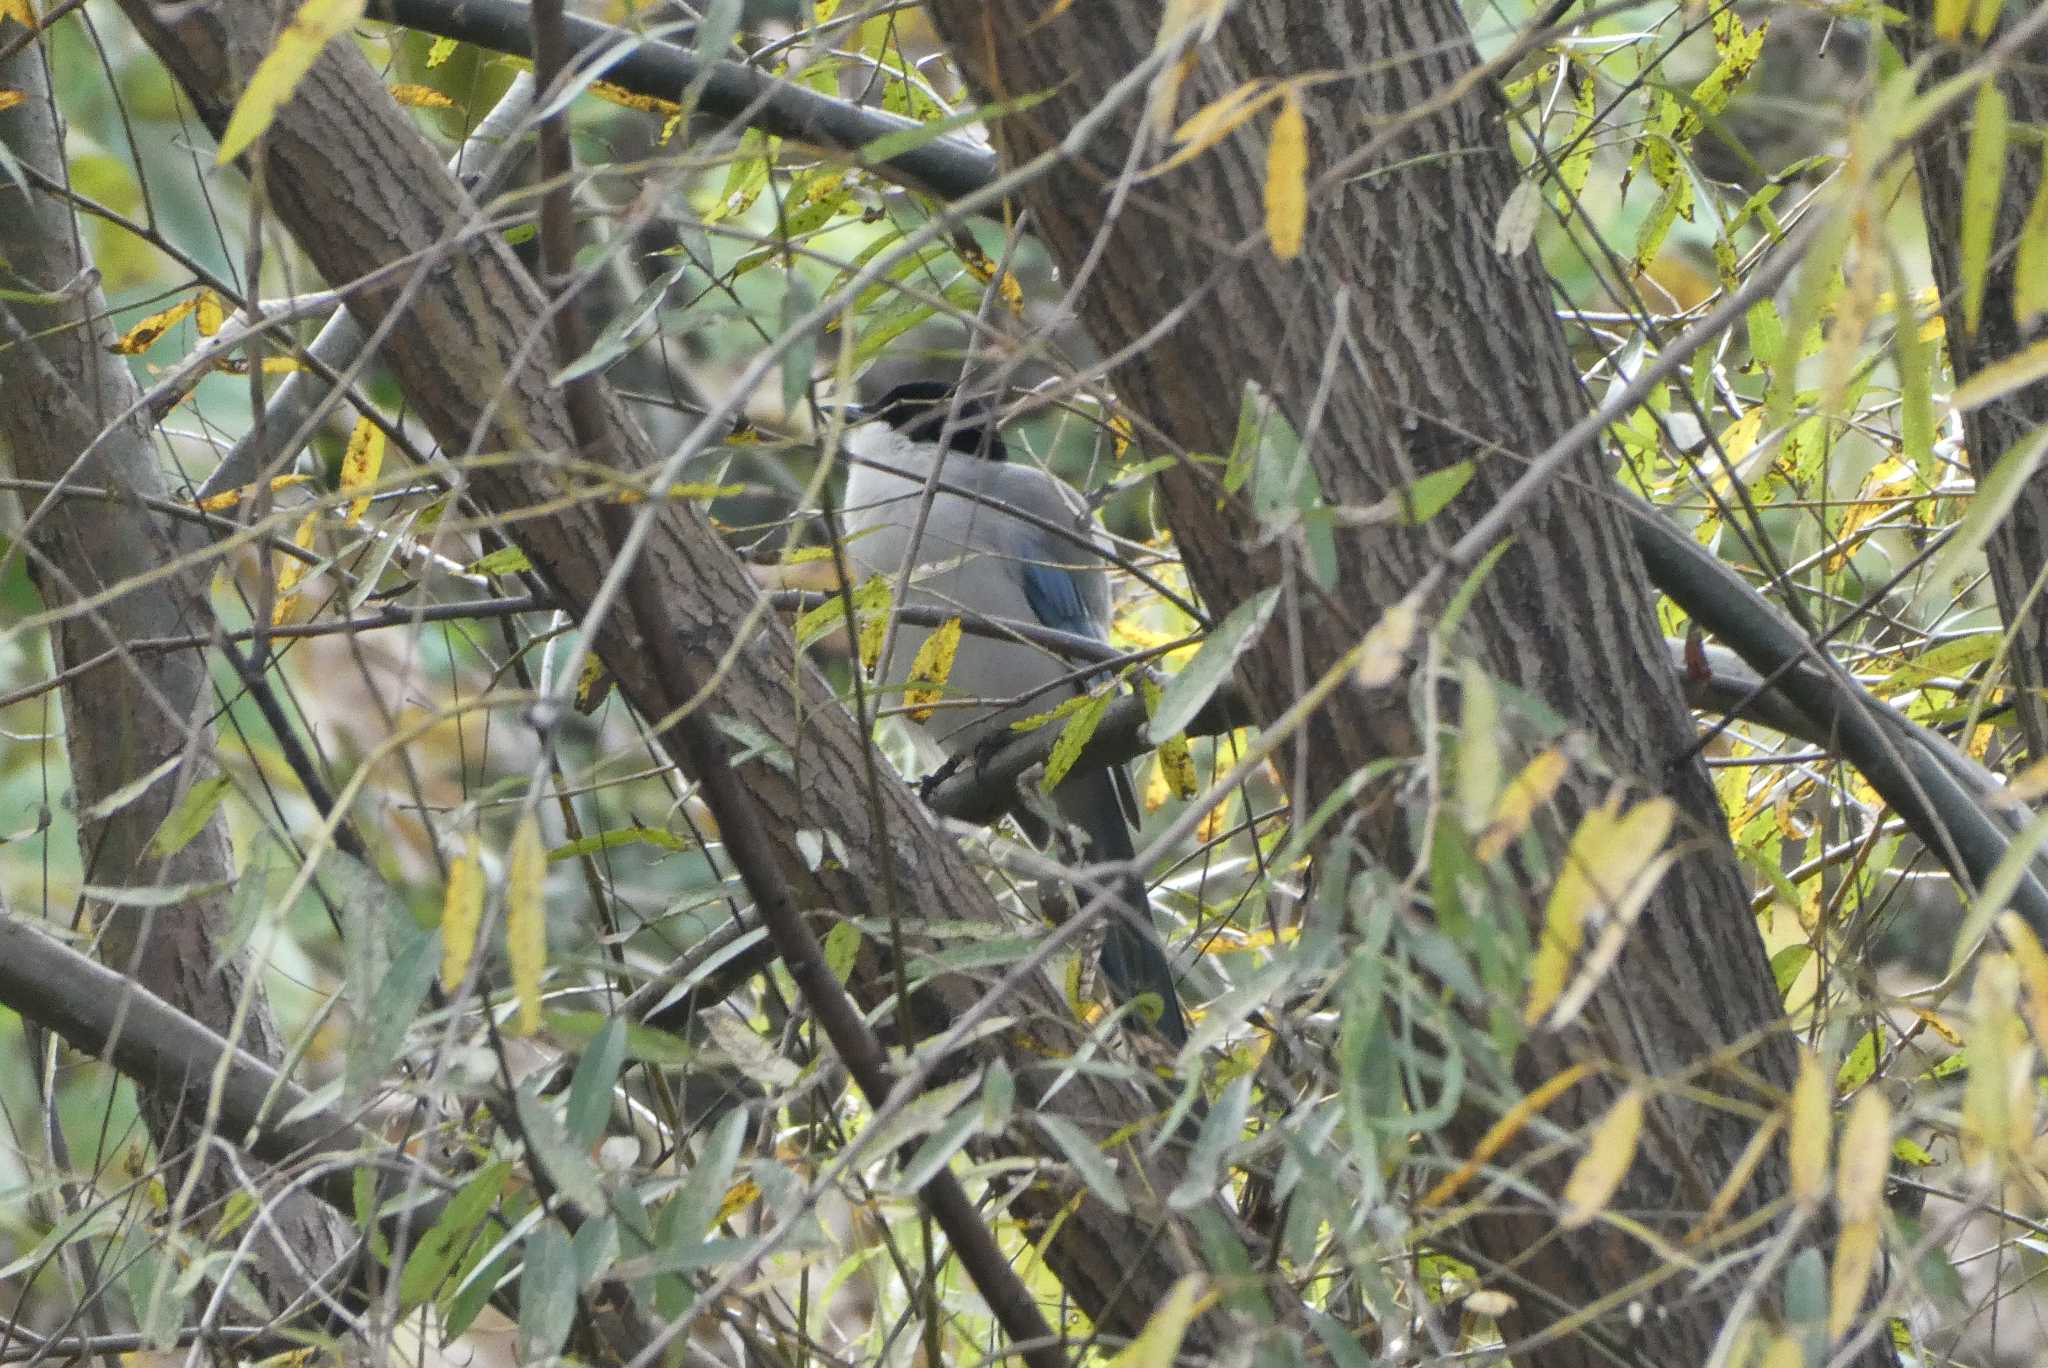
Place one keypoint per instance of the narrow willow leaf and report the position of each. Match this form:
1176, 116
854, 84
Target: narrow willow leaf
1158, 1344
1287, 180
1188, 691
390, 1010
208, 313
1916, 362
547, 1294
151, 330
317, 23
933, 666
190, 816
1865, 1158
2032, 962
1609, 851
1073, 739
1949, 18
1609, 1152
360, 464
566, 1162
526, 920
1511, 1124
1478, 779
2030, 261
290, 570
842, 948
1983, 183
1515, 229
1855, 1258
590, 1088
1519, 803
2024, 367
451, 1235
1995, 497
1809, 1131
1089, 1164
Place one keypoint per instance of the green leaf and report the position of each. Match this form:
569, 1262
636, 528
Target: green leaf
696, 1204
1983, 183
1221, 1131
1073, 739
590, 1089
801, 353
450, 1236
190, 816
1916, 362
1093, 1170
567, 1165
612, 840
1996, 495
1189, 691
842, 947
2030, 262
389, 1009
506, 560
547, 1294
1426, 497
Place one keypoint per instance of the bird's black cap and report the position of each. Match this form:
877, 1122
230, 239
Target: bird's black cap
920, 409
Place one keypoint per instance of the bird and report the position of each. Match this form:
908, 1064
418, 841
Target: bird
992, 545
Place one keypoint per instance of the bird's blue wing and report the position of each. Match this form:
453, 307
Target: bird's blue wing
1056, 598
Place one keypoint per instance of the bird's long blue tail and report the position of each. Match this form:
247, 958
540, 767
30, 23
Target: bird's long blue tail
1133, 960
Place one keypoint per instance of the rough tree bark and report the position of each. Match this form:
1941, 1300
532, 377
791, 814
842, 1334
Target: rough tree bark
374, 209
2018, 549
118, 572
1400, 343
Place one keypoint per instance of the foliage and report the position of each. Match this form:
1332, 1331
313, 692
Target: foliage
461, 987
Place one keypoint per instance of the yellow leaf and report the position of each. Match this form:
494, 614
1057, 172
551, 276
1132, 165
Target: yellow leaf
1177, 763
1786, 1351
1158, 1344
593, 678
1287, 180
1608, 854
930, 670
22, 13
420, 96
1217, 120
1855, 1257
1760, 1142
526, 920
1121, 433
441, 51
1998, 1056
282, 365
317, 23
1865, 1157
632, 99
228, 498
1386, 645
1810, 1128
2032, 963
1949, 18
738, 1198
1605, 1163
150, 330
210, 313
1529, 791
290, 570
462, 912
1500, 1132
9, 96
360, 464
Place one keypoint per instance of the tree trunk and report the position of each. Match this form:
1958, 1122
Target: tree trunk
71, 414
1400, 343
2018, 549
